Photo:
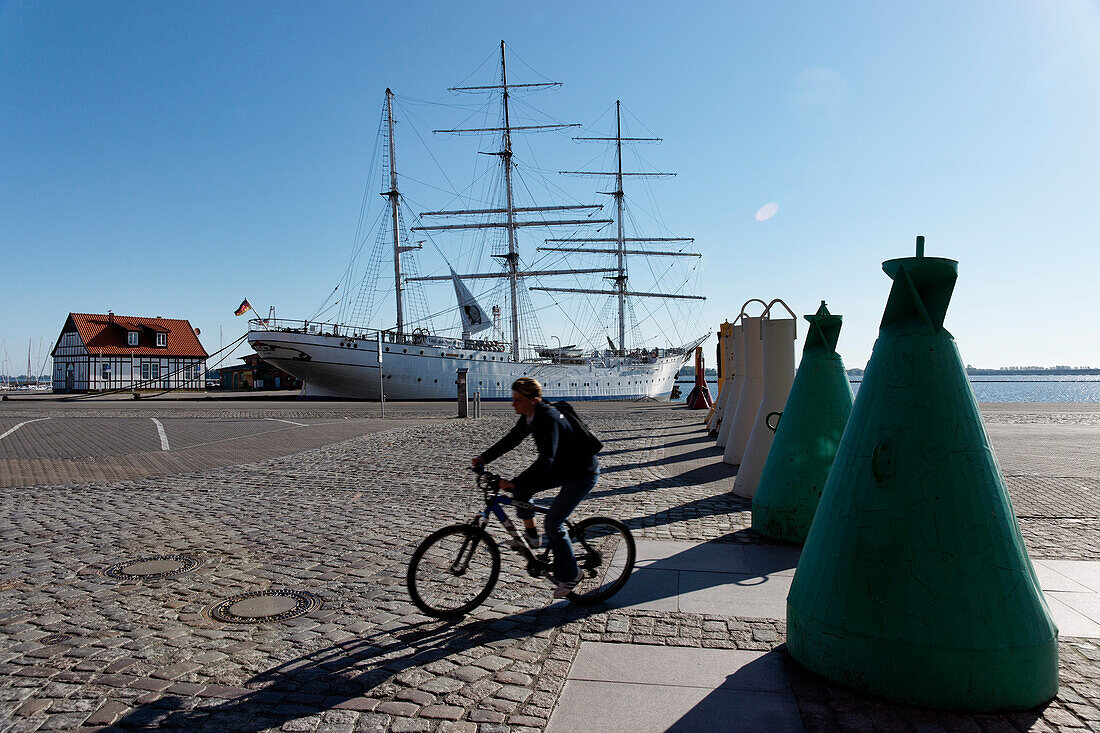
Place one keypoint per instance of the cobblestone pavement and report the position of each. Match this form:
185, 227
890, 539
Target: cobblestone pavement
80, 649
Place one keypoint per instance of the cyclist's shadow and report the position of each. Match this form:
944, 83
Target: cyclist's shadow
324, 679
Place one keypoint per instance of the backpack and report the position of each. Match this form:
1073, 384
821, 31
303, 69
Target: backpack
586, 439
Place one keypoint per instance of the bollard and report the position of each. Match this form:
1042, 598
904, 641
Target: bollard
477, 404
739, 373
714, 417
463, 401
725, 377
777, 336
806, 438
734, 383
752, 391
914, 583
699, 397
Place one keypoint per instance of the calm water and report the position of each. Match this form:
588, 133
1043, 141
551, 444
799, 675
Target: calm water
995, 388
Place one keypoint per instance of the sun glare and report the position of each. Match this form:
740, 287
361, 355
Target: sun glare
767, 211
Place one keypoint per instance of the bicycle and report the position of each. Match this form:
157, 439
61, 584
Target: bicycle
455, 568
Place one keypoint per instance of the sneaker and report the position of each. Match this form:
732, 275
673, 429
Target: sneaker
566, 587
530, 537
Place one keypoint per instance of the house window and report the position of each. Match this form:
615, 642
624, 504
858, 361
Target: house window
106, 371
162, 339
145, 371
131, 338
155, 370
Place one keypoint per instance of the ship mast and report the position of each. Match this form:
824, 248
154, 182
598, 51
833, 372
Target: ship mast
513, 256
512, 271
393, 196
620, 277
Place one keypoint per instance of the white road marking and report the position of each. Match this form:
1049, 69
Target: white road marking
163, 436
288, 422
25, 422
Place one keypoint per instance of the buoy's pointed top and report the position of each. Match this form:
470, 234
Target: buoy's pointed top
824, 329
922, 289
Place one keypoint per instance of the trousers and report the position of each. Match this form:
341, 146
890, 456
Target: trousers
573, 491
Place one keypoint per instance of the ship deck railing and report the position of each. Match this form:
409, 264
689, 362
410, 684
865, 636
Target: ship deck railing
343, 330
312, 328
423, 338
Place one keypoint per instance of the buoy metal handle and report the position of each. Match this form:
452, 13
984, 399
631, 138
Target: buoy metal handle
882, 462
768, 314
768, 418
742, 314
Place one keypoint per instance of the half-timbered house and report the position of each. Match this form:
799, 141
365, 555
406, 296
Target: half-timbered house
96, 353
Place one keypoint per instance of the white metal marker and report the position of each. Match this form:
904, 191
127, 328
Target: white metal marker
25, 422
163, 435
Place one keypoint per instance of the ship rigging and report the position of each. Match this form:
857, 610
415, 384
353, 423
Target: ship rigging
617, 372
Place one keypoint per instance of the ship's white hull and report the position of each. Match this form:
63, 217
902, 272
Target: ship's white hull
346, 367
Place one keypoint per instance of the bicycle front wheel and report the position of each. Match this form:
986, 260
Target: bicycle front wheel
453, 570
605, 552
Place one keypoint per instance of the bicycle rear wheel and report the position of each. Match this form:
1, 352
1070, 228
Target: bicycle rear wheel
453, 570
605, 552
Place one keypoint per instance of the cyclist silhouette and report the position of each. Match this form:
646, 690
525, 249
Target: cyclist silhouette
561, 462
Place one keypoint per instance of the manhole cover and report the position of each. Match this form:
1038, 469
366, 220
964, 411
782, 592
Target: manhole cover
265, 605
50, 639
152, 567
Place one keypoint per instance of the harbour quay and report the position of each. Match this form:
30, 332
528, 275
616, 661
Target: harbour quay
198, 564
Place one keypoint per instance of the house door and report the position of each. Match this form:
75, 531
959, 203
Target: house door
70, 377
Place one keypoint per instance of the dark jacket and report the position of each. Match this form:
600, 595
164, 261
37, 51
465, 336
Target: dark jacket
560, 457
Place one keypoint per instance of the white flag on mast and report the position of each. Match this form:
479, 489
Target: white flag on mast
473, 317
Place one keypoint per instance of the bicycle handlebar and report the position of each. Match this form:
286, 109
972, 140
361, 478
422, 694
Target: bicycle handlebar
487, 480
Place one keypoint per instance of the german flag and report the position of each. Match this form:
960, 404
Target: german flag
244, 308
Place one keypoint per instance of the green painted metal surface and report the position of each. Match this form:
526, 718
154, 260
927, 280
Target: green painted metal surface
914, 583
806, 437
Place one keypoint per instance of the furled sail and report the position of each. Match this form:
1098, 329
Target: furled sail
473, 317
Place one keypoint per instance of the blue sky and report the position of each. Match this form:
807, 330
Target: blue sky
174, 158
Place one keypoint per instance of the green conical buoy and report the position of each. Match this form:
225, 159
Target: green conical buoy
806, 439
914, 583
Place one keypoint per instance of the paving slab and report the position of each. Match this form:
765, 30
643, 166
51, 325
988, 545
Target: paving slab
1079, 572
770, 560
680, 667
650, 590
715, 557
1071, 620
715, 578
622, 687
733, 594
1052, 579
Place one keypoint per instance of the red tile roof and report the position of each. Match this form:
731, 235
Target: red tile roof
106, 335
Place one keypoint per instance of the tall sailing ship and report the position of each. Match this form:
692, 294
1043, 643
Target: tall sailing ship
411, 359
